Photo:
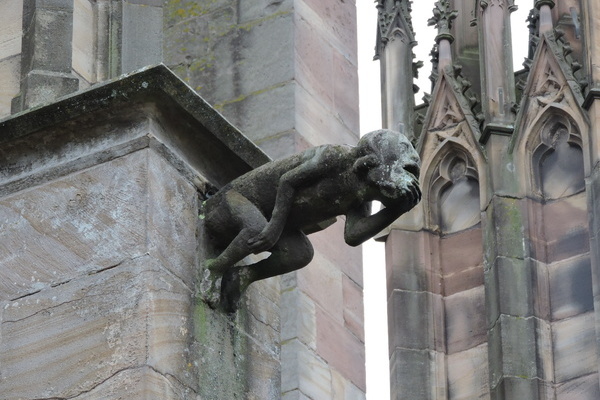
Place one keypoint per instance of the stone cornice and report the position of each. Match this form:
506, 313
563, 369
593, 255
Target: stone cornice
540, 3
495, 129
592, 95
148, 106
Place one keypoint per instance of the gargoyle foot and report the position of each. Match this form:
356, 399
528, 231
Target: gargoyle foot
210, 286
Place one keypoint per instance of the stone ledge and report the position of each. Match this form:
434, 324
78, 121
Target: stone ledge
43, 137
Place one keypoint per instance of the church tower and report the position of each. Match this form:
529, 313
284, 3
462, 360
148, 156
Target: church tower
494, 276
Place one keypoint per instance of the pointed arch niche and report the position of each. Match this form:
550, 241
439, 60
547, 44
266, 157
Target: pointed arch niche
557, 158
551, 163
454, 198
452, 177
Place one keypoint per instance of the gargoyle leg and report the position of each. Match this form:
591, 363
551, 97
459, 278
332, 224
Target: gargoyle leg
293, 251
240, 219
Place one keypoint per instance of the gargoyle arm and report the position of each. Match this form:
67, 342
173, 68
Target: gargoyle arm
312, 168
361, 226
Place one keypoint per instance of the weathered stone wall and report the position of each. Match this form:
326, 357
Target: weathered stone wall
100, 246
285, 74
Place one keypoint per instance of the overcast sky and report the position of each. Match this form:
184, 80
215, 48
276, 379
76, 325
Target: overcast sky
370, 119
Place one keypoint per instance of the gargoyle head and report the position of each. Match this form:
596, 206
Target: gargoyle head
389, 163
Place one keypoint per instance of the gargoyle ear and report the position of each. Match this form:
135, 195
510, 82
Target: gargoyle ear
365, 163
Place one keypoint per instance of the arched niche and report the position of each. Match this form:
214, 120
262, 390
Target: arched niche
557, 159
453, 194
552, 154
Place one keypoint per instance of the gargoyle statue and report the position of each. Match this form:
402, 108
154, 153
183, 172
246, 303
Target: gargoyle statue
275, 206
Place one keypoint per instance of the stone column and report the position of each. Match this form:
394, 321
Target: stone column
465, 49
46, 53
395, 40
11, 32
591, 22
497, 77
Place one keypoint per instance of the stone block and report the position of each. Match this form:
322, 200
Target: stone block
139, 383
300, 320
84, 40
231, 356
535, 229
141, 36
593, 195
79, 224
314, 63
416, 321
516, 388
411, 261
571, 291
276, 105
40, 87
227, 62
345, 91
344, 389
545, 357
574, 347
334, 22
80, 326
10, 82
354, 316
314, 117
47, 39
330, 243
177, 11
265, 53
512, 344
468, 374
304, 371
257, 10
341, 349
541, 289
282, 145
509, 285
172, 218
465, 319
566, 227
585, 388
417, 374
294, 395
461, 258
503, 230
11, 28
263, 304
321, 280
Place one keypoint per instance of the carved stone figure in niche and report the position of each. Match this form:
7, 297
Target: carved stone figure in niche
275, 206
560, 161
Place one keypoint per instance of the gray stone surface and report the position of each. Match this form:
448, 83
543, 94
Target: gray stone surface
465, 320
512, 349
10, 71
416, 321
413, 371
100, 245
141, 35
469, 370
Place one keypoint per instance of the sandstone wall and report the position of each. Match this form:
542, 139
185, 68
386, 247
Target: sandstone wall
100, 246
